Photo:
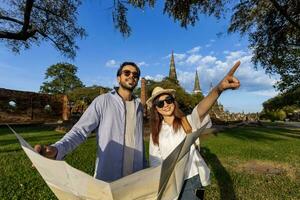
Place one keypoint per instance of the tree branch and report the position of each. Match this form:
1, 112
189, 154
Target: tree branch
49, 11
27, 30
283, 12
27, 13
11, 19
18, 36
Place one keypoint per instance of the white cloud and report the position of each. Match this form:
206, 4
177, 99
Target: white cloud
208, 45
267, 93
186, 79
212, 69
179, 56
192, 59
140, 64
111, 63
157, 77
208, 59
194, 50
212, 40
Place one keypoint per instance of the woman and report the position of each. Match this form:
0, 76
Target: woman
169, 127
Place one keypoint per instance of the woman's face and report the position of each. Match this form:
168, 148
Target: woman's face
165, 105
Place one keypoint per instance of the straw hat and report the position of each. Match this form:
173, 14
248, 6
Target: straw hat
158, 91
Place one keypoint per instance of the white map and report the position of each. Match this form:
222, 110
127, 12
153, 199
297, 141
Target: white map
163, 182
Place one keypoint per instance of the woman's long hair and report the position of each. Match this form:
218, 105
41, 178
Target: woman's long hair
156, 121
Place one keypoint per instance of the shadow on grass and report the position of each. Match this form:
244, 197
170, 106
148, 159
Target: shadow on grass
262, 134
35, 138
223, 178
4, 130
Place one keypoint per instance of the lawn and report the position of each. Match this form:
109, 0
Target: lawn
246, 163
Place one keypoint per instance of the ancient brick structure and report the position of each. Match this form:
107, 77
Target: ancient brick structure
197, 88
144, 96
30, 107
172, 71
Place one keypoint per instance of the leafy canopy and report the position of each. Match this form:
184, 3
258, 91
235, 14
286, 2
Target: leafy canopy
61, 79
27, 22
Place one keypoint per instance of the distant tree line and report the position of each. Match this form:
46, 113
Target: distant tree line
282, 106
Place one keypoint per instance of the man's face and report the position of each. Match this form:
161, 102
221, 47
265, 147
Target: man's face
128, 78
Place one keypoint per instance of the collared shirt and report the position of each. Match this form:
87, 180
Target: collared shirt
106, 115
168, 140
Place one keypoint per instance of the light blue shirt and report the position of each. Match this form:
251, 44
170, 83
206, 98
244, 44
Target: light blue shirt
106, 115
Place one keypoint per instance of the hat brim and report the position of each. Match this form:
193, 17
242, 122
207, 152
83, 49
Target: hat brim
165, 91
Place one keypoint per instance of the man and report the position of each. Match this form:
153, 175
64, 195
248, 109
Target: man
117, 118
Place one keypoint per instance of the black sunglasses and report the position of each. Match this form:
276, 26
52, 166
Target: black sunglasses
128, 72
168, 100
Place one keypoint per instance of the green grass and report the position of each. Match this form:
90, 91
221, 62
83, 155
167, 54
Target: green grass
226, 154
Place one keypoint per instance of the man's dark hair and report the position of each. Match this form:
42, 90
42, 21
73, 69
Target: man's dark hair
119, 72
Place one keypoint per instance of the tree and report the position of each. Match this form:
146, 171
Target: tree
274, 35
81, 97
27, 22
186, 12
63, 79
283, 100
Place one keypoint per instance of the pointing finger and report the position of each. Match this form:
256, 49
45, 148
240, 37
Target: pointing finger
234, 68
234, 79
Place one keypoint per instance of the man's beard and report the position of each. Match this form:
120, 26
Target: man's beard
127, 86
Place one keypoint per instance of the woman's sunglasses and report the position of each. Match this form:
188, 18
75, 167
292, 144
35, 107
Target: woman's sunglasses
168, 100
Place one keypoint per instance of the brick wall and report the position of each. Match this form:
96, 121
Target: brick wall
30, 107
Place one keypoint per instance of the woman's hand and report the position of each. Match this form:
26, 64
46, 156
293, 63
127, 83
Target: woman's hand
229, 81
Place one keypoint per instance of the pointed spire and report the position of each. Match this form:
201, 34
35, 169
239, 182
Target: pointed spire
172, 72
211, 86
197, 88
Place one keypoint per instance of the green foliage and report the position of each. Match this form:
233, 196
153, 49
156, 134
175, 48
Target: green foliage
88, 94
27, 22
186, 101
62, 79
274, 115
287, 101
80, 98
274, 29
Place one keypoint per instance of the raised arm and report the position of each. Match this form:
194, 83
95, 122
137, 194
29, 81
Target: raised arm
228, 82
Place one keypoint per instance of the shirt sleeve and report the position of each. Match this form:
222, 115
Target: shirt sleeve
195, 121
155, 156
80, 131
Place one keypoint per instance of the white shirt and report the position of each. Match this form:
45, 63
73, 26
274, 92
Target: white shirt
168, 140
129, 142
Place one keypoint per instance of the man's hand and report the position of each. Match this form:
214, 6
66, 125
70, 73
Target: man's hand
47, 151
229, 81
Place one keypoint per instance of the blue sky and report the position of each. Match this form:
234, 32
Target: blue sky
153, 38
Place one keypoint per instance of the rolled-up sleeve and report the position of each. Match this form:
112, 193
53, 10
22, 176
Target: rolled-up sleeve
155, 156
195, 121
80, 131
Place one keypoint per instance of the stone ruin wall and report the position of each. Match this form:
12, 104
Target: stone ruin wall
30, 107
